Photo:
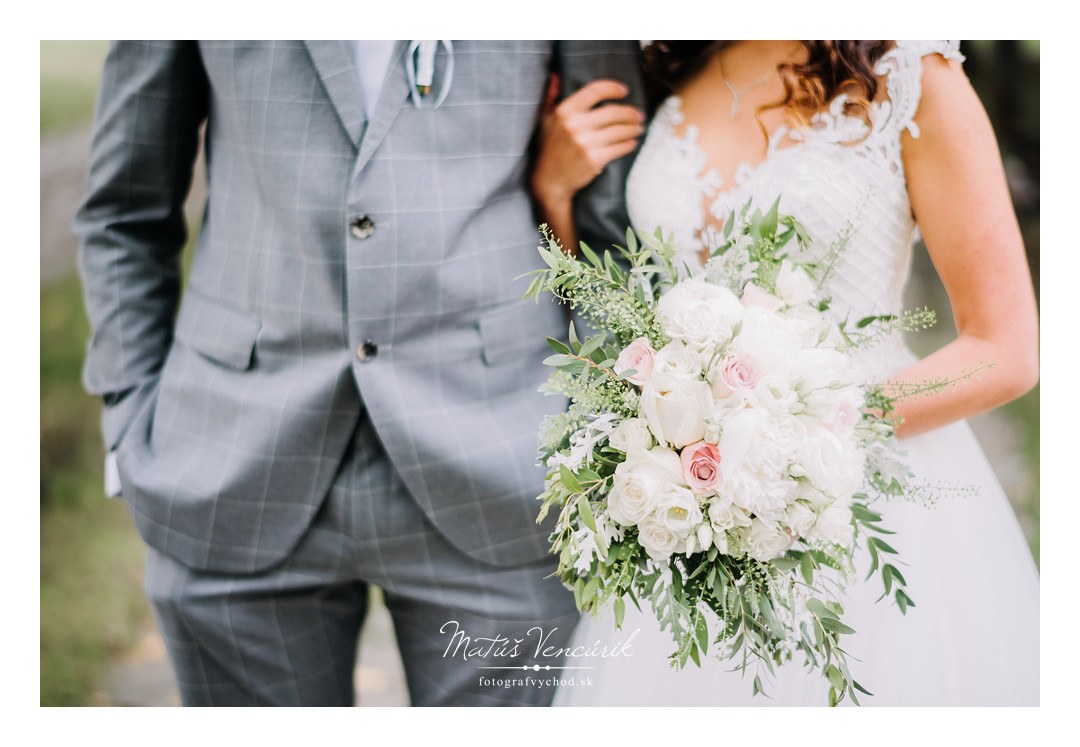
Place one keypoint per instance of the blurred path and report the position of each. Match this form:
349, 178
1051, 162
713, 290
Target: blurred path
63, 166
63, 174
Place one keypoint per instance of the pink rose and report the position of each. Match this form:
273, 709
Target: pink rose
735, 374
701, 466
637, 356
753, 295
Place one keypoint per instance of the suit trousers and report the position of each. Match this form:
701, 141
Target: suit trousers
288, 635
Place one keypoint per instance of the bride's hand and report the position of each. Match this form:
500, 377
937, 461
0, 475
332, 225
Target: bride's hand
577, 138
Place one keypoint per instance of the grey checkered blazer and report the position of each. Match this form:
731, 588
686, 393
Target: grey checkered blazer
343, 265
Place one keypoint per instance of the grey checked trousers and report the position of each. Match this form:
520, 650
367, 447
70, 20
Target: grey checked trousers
288, 636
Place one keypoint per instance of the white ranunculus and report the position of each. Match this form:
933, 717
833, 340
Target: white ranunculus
831, 465
639, 480
676, 408
631, 434
767, 541
659, 541
799, 517
677, 509
699, 313
793, 285
677, 359
834, 525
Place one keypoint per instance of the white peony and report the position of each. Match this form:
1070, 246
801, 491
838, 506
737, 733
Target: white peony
632, 434
757, 448
814, 368
639, 480
767, 541
698, 313
677, 509
659, 541
676, 408
832, 466
767, 338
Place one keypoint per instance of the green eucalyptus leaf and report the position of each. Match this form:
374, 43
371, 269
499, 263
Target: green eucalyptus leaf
557, 346
568, 479
586, 514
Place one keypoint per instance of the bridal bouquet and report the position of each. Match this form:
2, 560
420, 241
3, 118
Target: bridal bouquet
720, 455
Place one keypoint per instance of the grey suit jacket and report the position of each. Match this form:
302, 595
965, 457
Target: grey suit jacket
342, 265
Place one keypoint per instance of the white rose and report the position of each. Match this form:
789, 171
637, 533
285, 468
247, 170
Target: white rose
831, 465
678, 360
677, 509
676, 408
793, 285
699, 313
639, 480
799, 517
659, 541
767, 541
834, 525
632, 434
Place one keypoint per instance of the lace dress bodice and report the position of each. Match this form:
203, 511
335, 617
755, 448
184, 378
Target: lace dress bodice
834, 171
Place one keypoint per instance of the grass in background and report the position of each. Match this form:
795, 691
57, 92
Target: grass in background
70, 71
92, 606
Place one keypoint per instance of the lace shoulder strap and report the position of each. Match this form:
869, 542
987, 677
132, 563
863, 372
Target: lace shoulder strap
902, 68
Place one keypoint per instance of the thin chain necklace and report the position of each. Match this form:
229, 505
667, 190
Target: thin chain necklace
736, 94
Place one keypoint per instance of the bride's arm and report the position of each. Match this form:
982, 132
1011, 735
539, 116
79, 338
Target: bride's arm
959, 195
577, 139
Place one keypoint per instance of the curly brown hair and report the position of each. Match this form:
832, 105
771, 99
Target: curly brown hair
831, 67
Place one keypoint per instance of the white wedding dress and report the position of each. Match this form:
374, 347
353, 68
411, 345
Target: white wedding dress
973, 636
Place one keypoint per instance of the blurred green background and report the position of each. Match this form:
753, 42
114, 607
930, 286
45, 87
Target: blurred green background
94, 619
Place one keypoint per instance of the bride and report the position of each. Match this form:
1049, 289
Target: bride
894, 134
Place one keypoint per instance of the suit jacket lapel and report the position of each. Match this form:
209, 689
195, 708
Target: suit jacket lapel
394, 94
336, 66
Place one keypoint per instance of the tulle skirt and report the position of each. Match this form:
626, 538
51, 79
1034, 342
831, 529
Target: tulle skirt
971, 640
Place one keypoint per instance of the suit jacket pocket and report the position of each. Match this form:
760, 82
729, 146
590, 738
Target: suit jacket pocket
515, 331
219, 332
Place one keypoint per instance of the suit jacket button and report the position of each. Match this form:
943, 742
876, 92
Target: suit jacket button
362, 227
367, 352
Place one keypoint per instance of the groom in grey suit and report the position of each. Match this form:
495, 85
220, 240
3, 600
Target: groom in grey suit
345, 393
